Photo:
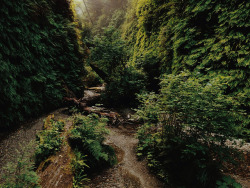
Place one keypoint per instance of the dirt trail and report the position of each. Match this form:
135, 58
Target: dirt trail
129, 172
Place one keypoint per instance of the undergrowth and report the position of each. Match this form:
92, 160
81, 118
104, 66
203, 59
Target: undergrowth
185, 130
79, 164
86, 139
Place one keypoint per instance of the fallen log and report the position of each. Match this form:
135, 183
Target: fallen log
74, 101
114, 117
100, 73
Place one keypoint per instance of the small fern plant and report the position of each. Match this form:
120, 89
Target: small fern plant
88, 136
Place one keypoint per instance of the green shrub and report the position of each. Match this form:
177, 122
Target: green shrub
186, 127
150, 64
49, 141
108, 51
110, 54
21, 173
87, 137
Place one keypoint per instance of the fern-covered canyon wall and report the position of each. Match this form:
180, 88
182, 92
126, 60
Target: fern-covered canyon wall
204, 37
208, 38
39, 58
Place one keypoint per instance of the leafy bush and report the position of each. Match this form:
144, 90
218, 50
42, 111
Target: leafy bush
150, 64
108, 51
87, 137
49, 141
186, 127
20, 173
124, 85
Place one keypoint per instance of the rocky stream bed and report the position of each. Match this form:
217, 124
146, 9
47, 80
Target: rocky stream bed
129, 172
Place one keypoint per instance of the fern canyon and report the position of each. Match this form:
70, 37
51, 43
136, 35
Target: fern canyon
124, 94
